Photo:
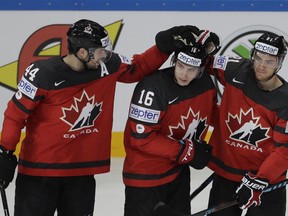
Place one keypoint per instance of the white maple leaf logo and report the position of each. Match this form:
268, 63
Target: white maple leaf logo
82, 113
245, 127
191, 125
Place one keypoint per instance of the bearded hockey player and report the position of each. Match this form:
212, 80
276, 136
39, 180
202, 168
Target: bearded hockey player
250, 144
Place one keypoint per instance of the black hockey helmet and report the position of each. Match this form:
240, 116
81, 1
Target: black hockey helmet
272, 44
192, 55
87, 34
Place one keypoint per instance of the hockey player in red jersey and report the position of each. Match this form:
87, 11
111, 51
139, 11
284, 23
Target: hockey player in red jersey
66, 105
250, 144
169, 114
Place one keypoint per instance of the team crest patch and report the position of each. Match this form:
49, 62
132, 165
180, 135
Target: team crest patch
191, 125
245, 127
82, 113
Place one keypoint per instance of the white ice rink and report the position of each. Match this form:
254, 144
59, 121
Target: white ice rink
110, 191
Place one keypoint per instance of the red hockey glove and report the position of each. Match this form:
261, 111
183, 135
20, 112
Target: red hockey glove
186, 152
250, 191
197, 153
8, 163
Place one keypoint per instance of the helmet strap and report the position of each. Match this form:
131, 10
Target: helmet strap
82, 61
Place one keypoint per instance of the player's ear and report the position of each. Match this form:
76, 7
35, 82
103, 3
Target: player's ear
82, 52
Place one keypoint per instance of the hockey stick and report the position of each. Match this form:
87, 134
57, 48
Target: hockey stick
202, 186
164, 210
161, 209
167, 211
211, 177
4, 200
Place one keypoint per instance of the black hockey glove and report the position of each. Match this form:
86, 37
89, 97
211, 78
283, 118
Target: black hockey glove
8, 163
197, 153
174, 39
210, 41
202, 156
250, 191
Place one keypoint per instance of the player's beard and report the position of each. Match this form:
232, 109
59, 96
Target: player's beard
262, 75
93, 65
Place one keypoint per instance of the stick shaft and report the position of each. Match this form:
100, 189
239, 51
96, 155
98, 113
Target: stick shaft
216, 208
211, 177
164, 210
202, 186
234, 202
4, 201
209, 133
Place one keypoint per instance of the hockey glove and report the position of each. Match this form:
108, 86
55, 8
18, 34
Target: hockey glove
202, 156
210, 41
197, 153
250, 191
174, 39
8, 163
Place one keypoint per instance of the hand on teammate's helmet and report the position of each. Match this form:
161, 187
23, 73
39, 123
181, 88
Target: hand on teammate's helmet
250, 191
8, 163
196, 153
174, 39
210, 41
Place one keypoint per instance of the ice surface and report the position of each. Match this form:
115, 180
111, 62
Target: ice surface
110, 191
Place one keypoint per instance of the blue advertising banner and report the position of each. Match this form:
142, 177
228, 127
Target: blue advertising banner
147, 5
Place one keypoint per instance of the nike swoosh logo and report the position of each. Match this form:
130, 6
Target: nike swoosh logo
236, 81
170, 102
58, 83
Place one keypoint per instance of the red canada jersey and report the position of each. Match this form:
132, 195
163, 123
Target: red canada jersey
252, 134
68, 114
161, 113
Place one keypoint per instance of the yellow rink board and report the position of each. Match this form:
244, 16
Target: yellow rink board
117, 144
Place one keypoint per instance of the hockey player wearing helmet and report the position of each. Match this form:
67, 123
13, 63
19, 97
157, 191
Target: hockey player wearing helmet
250, 144
189, 64
89, 43
169, 115
66, 105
